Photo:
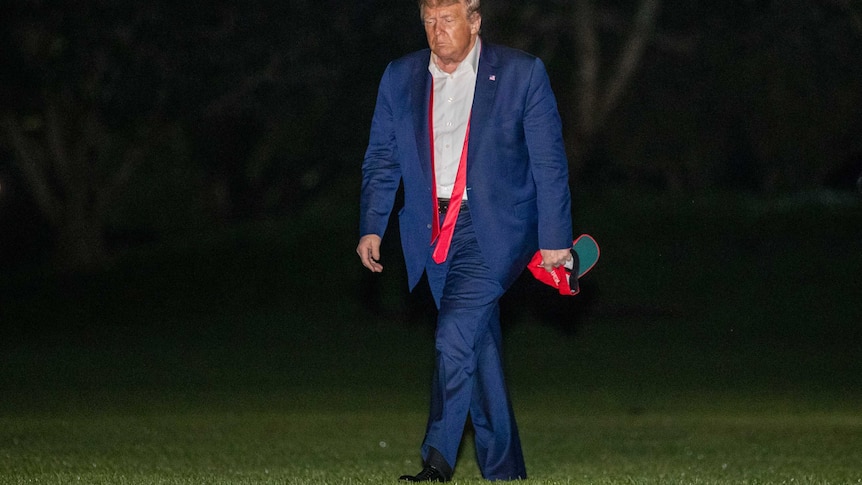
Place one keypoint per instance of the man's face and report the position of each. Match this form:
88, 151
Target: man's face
450, 33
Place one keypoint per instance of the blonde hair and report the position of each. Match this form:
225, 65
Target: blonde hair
472, 5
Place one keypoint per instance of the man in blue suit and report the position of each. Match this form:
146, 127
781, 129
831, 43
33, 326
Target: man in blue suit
472, 131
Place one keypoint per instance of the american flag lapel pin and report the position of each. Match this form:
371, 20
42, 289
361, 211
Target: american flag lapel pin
492, 77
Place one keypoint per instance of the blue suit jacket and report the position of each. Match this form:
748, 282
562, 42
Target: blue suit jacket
517, 172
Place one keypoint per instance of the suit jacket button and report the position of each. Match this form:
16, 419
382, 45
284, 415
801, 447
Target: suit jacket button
428, 226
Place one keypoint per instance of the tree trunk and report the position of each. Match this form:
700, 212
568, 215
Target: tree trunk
56, 162
598, 97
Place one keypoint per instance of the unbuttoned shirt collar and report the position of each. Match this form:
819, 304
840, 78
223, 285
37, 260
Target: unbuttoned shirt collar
453, 101
469, 62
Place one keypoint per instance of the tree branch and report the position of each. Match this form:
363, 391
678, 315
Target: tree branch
587, 42
676, 43
133, 157
55, 141
31, 162
253, 81
630, 57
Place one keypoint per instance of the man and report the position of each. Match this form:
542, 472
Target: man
472, 131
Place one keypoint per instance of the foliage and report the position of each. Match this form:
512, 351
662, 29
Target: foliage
100, 98
124, 123
766, 100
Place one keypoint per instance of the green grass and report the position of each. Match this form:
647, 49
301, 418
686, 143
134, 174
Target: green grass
283, 446
716, 342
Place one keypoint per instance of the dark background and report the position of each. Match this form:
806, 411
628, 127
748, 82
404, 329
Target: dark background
125, 123
179, 189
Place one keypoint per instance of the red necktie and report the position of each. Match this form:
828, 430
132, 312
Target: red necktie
445, 233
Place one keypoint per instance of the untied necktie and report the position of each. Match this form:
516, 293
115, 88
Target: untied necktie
443, 235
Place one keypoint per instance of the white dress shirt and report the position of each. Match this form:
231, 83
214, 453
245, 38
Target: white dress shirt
453, 101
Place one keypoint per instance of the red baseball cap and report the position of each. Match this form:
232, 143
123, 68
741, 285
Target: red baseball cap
559, 278
585, 254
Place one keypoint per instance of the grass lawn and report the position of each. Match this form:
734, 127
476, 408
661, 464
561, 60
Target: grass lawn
716, 342
283, 446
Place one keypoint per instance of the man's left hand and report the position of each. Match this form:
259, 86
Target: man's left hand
554, 258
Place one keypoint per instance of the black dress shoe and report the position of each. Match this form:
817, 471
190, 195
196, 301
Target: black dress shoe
428, 474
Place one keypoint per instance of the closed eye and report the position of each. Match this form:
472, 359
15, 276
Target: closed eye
446, 20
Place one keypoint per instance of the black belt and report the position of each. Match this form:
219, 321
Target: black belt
443, 205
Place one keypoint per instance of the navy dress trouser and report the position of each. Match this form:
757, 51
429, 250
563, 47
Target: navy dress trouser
468, 376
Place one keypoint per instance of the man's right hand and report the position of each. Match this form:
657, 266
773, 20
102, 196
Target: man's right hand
369, 252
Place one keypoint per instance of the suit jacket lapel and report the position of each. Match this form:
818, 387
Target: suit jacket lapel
420, 95
483, 99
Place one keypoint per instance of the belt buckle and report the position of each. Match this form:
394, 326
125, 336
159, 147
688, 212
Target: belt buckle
442, 205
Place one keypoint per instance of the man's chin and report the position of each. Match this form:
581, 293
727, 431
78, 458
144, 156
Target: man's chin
444, 54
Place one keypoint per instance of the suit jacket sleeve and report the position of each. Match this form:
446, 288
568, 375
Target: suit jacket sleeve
381, 173
548, 163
